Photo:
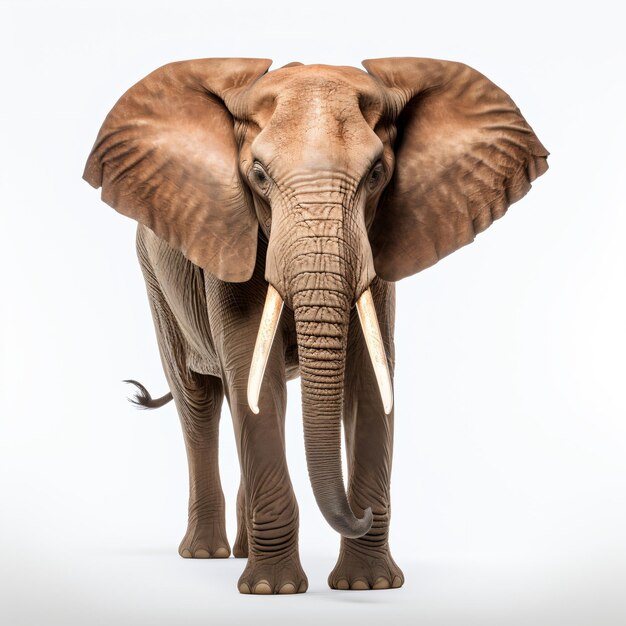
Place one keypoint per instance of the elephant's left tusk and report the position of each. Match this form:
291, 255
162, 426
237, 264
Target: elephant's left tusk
373, 340
267, 329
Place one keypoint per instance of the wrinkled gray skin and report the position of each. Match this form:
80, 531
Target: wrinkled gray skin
206, 330
317, 147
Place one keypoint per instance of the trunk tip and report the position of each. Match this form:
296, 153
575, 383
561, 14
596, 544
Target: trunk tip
360, 526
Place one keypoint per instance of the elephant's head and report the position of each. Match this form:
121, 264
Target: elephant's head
348, 174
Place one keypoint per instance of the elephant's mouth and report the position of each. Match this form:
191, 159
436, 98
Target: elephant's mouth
267, 330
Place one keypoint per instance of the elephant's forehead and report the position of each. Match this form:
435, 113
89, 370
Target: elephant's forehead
315, 90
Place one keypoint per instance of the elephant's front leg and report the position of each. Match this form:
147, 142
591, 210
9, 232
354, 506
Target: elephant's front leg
366, 562
270, 507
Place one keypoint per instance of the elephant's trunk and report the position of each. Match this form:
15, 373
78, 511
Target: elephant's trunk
320, 266
321, 299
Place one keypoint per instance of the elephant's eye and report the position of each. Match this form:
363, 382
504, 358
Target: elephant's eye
259, 177
376, 175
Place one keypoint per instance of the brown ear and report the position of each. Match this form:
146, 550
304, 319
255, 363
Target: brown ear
166, 156
464, 153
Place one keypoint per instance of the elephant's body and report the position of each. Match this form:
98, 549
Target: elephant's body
186, 289
314, 187
205, 329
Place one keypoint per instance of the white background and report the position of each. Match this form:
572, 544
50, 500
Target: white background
509, 504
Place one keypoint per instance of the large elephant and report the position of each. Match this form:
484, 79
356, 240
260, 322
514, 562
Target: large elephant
317, 187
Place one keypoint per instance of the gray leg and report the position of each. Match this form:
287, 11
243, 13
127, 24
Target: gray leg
266, 498
198, 398
366, 562
240, 547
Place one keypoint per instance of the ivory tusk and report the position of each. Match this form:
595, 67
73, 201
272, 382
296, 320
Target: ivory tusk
371, 331
267, 330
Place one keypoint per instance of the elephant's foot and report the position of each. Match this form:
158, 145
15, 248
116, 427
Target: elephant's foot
204, 540
365, 570
240, 548
270, 575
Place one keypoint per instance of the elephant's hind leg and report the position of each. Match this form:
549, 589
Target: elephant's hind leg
240, 547
199, 402
198, 398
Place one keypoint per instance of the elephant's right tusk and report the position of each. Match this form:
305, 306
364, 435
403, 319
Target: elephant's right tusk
373, 341
267, 330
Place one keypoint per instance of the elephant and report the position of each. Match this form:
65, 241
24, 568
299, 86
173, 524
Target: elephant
276, 210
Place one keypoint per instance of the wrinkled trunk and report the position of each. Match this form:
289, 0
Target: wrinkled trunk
321, 294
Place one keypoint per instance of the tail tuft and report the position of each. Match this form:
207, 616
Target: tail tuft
143, 400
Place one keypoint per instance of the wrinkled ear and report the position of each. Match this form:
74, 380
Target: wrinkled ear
464, 153
166, 156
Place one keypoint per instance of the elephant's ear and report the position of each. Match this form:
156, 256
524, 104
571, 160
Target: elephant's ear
166, 156
464, 153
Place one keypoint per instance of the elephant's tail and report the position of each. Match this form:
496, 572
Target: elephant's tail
143, 400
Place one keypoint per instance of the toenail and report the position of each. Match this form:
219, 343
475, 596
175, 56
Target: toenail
202, 554
342, 584
243, 588
185, 554
359, 585
263, 588
287, 588
381, 583
397, 582
303, 587
221, 553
